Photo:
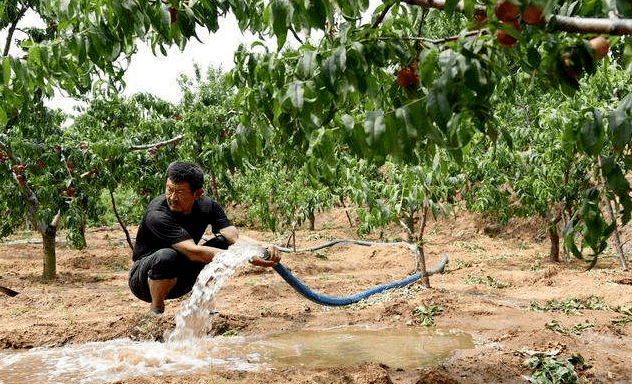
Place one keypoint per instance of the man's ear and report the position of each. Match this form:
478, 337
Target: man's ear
197, 194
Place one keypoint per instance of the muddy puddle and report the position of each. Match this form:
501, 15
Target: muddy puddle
104, 362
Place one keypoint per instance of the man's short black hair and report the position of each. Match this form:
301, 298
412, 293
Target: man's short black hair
179, 171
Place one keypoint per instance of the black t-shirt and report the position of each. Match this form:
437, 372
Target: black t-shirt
161, 228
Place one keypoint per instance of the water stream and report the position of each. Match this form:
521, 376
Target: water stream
188, 350
195, 316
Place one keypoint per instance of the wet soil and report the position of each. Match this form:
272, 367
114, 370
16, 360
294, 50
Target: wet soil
499, 287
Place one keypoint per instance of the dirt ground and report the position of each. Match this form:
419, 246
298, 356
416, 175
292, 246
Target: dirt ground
491, 289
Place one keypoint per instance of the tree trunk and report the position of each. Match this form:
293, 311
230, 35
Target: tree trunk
49, 233
50, 260
213, 187
613, 218
120, 221
421, 266
554, 237
342, 202
312, 220
554, 234
421, 257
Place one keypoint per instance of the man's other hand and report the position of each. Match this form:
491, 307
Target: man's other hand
271, 261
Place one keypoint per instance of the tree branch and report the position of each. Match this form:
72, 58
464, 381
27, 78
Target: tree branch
381, 17
437, 41
11, 30
296, 36
120, 221
23, 185
156, 145
609, 26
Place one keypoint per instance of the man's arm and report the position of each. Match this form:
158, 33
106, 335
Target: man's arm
274, 255
205, 254
194, 252
230, 233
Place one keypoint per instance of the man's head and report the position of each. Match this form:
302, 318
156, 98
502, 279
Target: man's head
184, 182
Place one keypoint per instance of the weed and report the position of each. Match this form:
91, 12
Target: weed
70, 319
119, 268
426, 313
626, 311
17, 311
230, 332
470, 246
571, 306
547, 369
502, 257
487, 280
99, 277
576, 329
536, 266
375, 299
459, 264
522, 245
265, 311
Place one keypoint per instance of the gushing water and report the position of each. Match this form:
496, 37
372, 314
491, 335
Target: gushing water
118, 359
195, 316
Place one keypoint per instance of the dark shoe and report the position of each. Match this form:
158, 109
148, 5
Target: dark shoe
157, 311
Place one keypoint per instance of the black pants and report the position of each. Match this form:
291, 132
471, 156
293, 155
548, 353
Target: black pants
167, 263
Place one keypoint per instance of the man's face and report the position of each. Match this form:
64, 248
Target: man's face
179, 196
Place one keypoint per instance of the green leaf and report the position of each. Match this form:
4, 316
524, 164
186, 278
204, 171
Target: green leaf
340, 56
450, 5
6, 69
406, 120
295, 94
439, 107
374, 126
347, 122
3, 117
328, 71
620, 127
317, 13
281, 14
591, 134
306, 65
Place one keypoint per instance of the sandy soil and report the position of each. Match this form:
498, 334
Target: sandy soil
488, 290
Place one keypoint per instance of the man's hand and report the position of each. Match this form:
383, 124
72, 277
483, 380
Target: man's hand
271, 261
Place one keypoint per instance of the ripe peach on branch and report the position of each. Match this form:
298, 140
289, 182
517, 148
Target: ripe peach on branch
480, 17
503, 37
506, 11
599, 47
532, 15
407, 77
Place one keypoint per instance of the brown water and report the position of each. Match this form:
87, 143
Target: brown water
400, 348
103, 362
